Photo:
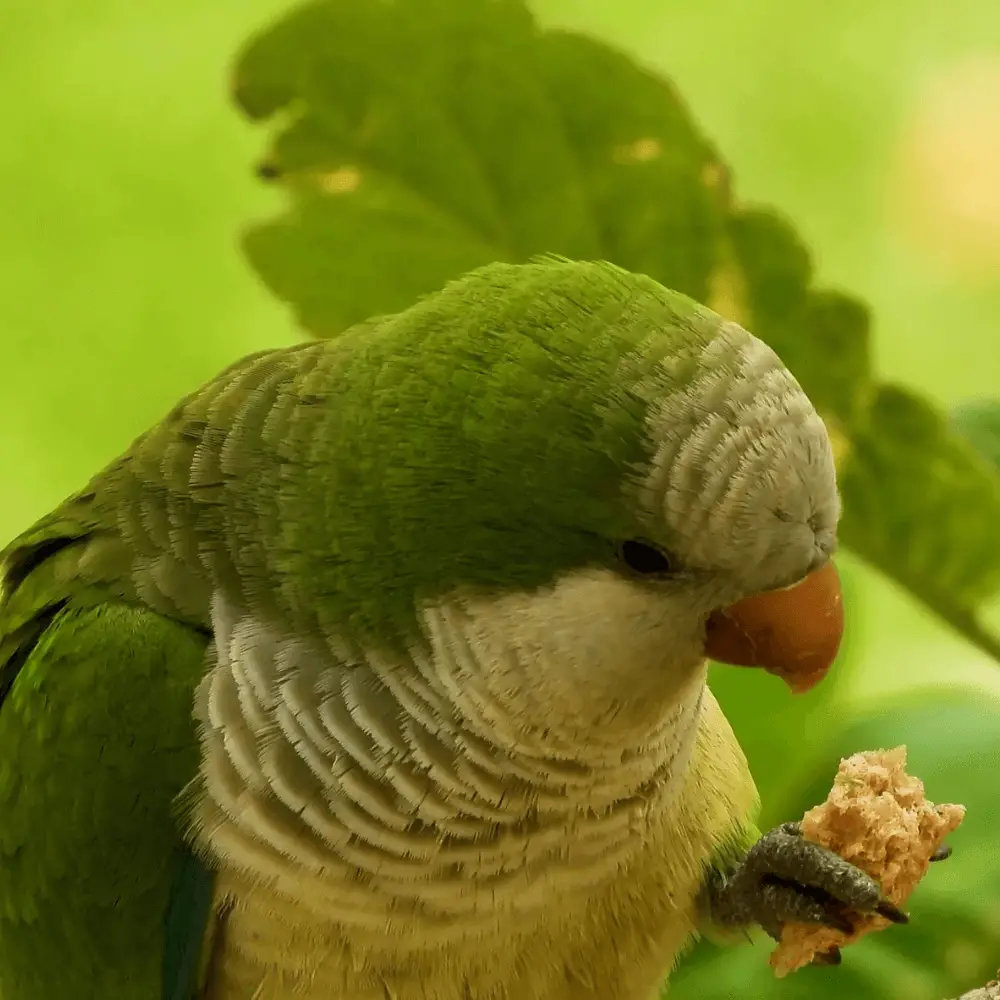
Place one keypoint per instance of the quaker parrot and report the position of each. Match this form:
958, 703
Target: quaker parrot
377, 669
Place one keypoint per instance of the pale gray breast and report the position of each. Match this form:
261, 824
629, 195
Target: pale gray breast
356, 783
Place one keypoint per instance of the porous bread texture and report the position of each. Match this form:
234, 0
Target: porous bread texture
876, 817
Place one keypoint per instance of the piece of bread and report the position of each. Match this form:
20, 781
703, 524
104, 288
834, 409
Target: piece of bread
876, 817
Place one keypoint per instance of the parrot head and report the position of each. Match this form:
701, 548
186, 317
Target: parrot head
587, 481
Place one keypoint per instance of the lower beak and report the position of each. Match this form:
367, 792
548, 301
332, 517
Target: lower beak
794, 633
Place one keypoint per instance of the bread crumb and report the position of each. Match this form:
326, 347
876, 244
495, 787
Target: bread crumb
876, 817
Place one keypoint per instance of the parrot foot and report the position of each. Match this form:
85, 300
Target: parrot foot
786, 878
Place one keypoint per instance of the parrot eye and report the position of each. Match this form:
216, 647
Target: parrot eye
645, 559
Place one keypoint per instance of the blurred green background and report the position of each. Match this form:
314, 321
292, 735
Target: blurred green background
875, 127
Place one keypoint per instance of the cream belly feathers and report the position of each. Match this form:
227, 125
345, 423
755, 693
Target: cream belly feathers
378, 838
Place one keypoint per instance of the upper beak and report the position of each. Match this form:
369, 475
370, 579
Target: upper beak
794, 633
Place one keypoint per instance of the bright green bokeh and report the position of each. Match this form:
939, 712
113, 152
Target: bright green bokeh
126, 176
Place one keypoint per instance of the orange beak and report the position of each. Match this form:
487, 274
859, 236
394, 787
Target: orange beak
794, 633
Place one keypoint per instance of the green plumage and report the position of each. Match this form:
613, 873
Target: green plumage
328, 487
97, 740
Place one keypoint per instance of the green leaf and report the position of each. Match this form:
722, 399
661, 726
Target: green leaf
978, 421
921, 504
655, 187
615, 170
418, 140
832, 362
401, 246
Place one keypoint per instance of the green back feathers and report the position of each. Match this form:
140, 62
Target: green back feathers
482, 438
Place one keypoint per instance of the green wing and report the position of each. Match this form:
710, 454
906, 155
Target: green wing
104, 623
96, 740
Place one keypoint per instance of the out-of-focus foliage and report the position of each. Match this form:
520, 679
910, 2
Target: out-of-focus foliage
127, 173
419, 140
979, 421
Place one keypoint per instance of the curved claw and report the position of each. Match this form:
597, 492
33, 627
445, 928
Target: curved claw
831, 956
891, 912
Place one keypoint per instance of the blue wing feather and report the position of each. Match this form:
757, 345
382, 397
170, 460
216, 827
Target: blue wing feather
187, 920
